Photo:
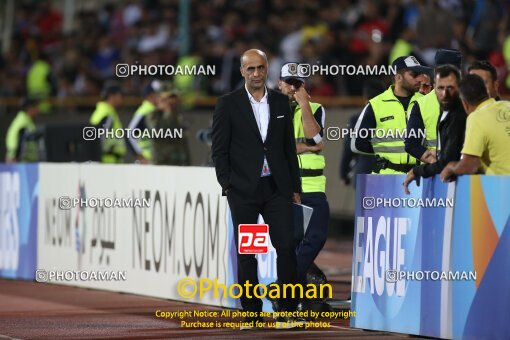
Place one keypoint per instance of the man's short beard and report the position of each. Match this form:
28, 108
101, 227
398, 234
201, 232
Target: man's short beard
409, 88
452, 104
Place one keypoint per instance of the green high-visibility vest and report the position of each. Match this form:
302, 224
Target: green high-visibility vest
113, 149
30, 151
390, 116
38, 85
145, 143
37, 79
185, 82
309, 160
506, 55
400, 48
429, 109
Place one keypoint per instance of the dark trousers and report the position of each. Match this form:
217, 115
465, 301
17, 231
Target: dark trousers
310, 244
277, 213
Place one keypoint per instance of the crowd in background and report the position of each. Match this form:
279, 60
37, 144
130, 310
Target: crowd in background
340, 32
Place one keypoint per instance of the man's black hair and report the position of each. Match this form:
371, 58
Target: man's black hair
110, 87
485, 66
472, 89
402, 71
444, 71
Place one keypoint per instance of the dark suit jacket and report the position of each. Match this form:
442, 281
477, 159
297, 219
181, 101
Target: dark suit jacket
238, 150
451, 131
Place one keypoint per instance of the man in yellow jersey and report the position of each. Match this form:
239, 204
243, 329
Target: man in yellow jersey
489, 74
386, 113
487, 133
105, 117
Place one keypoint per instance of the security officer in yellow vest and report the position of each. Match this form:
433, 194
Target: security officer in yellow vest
423, 115
142, 147
387, 113
22, 142
309, 120
41, 82
105, 116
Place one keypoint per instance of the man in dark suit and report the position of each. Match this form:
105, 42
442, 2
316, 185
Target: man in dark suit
451, 125
254, 154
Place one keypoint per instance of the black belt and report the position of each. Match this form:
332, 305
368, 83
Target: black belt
399, 167
382, 163
311, 172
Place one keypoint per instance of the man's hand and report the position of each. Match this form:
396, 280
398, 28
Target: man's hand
429, 156
303, 147
296, 198
316, 147
409, 178
448, 174
302, 97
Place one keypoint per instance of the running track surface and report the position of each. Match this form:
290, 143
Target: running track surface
31, 310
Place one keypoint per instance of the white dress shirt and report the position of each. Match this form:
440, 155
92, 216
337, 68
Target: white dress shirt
261, 112
443, 117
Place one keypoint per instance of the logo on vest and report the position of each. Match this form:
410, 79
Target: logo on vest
383, 119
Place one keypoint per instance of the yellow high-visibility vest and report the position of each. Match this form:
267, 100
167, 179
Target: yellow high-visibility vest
113, 149
145, 143
429, 109
309, 160
390, 116
30, 151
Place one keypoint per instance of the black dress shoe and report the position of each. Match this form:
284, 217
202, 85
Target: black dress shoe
275, 303
313, 305
289, 323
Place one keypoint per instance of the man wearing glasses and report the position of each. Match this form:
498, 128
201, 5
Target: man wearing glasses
308, 121
425, 84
